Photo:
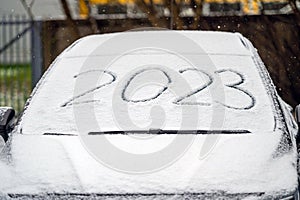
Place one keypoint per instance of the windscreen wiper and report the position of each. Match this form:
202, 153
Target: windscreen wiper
162, 132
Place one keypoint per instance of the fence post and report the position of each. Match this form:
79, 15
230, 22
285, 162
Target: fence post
36, 52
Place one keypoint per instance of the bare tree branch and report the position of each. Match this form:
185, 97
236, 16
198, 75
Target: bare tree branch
175, 8
175, 14
28, 8
150, 10
91, 19
294, 6
197, 6
296, 11
71, 23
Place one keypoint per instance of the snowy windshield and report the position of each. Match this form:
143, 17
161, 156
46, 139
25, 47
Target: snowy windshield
150, 89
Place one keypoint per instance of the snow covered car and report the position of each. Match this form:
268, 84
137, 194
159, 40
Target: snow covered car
152, 115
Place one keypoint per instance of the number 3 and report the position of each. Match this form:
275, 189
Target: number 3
236, 86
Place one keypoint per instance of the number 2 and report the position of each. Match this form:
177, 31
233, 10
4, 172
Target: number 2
71, 101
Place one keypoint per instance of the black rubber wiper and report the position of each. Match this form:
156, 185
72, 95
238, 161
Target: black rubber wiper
161, 132
59, 134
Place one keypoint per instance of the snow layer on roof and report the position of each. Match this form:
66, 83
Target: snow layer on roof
211, 42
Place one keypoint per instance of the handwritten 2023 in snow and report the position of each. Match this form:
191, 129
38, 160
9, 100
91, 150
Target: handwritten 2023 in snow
235, 84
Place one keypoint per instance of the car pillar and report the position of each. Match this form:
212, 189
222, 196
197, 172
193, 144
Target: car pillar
6, 118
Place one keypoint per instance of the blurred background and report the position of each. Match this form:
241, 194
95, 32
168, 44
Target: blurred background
34, 32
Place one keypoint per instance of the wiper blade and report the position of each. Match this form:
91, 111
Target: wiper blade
59, 134
162, 132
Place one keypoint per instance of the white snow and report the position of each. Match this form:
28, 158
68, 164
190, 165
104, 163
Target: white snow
240, 163
109, 107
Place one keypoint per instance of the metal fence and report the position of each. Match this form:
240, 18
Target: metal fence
16, 60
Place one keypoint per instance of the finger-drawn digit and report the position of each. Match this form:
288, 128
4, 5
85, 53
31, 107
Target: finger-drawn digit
71, 101
164, 88
209, 81
236, 86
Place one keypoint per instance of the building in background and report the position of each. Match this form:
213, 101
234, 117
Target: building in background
127, 8
13, 18
51, 9
41, 9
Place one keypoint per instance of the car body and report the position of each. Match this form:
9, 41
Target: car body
193, 114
